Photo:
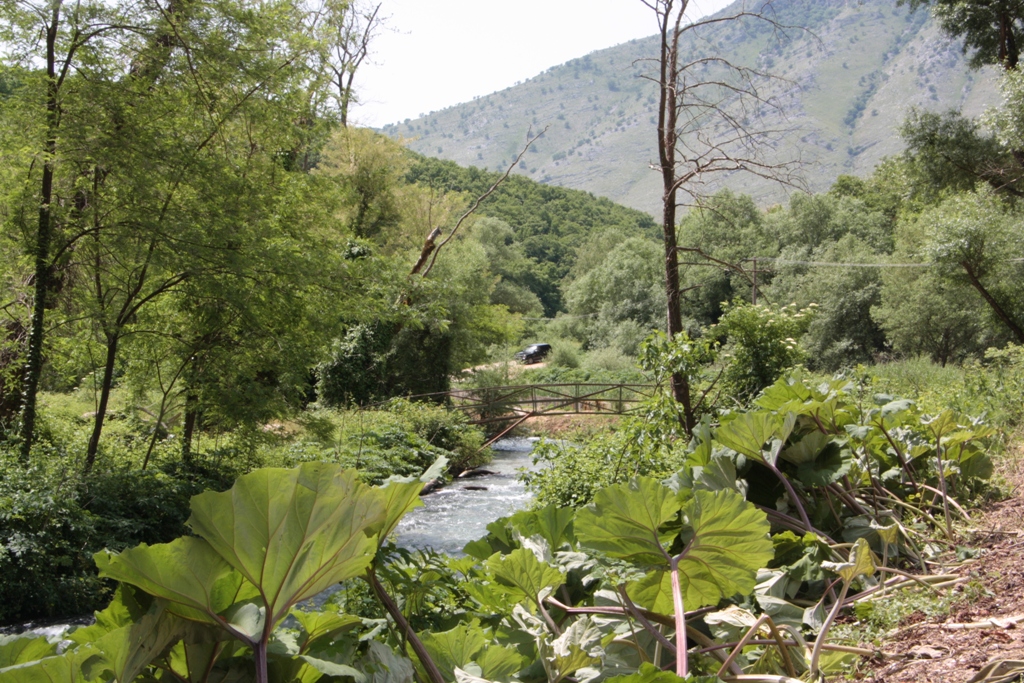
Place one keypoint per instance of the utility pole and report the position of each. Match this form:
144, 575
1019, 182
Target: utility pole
753, 290
753, 279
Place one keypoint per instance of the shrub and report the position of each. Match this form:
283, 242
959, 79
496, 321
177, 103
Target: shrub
762, 344
46, 567
647, 444
403, 438
565, 355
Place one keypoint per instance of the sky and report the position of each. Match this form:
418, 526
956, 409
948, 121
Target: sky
437, 53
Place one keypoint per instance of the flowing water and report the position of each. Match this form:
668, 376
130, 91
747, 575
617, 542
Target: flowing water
460, 512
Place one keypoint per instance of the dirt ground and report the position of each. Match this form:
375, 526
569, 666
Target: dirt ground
954, 649
570, 426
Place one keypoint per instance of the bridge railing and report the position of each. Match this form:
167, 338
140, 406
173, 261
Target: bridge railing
492, 404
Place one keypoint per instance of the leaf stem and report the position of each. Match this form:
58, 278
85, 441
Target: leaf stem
820, 641
392, 608
682, 665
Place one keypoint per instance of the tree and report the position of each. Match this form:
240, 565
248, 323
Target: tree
699, 135
949, 152
163, 156
345, 29
975, 241
622, 299
726, 229
922, 313
992, 29
842, 331
69, 35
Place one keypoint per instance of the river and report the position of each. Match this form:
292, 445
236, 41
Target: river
460, 512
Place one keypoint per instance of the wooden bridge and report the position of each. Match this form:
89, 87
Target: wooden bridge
517, 404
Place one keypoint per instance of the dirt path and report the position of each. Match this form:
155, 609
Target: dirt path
988, 624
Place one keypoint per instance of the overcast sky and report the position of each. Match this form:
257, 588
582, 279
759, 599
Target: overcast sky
438, 53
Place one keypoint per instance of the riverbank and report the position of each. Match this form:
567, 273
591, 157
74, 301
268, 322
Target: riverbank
980, 621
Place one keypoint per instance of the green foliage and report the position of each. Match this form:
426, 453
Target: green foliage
44, 536
645, 443
621, 298
401, 438
991, 33
524, 600
948, 153
761, 343
52, 520
994, 388
843, 331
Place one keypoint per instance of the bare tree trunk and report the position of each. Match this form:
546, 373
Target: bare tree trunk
44, 236
691, 105
189, 427
101, 408
667, 123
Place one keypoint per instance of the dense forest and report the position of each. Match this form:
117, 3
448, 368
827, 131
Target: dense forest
229, 318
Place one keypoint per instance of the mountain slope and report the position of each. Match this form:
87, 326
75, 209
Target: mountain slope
848, 82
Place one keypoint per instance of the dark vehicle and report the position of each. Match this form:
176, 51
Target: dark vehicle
534, 353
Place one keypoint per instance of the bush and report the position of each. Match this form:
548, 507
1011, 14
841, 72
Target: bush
404, 438
46, 545
608, 360
53, 520
565, 355
993, 388
648, 444
761, 344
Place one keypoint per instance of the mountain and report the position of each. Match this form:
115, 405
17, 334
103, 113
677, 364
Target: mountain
846, 83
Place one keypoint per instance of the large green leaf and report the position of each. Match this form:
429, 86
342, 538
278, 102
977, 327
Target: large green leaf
318, 625
333, 658
748, 432
402, 494
399, 498
455, 648
552, 523
187, 572
71, 667
625, 521
135, 629
127, 651
24, 648
381, 665
123, 609
862, 561
499, 663
654, 592
730, 543
292, 533
523, 575
578, 647
807, 448
649, 673
333, 669
195, 659
719, 473
830, 465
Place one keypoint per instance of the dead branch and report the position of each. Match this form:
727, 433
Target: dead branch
428, 246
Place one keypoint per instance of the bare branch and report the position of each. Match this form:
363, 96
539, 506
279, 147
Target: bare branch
472, 209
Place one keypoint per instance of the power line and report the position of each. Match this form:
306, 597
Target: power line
858, 265
789, 262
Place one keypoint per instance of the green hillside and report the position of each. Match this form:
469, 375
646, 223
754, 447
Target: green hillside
847, 82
